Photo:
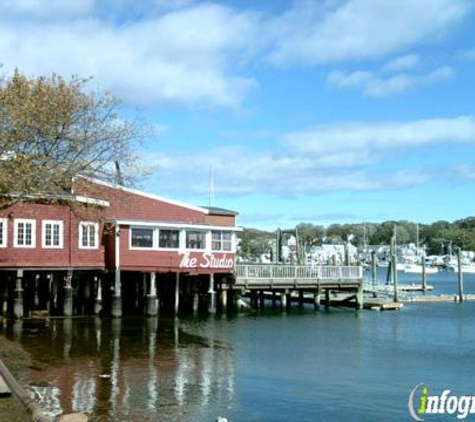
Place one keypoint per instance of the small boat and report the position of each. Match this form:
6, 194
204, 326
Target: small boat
417, 269
466, 268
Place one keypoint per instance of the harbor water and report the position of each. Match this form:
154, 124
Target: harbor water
300, 365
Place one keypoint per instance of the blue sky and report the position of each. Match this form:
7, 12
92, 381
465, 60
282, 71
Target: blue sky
324, 111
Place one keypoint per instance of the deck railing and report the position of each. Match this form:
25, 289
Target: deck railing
301, 272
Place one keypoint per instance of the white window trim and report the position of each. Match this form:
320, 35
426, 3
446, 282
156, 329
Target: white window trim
156, 240
221, 240
33, 233
168, 249
144, 248
43, 234
207, 237
4, 233
96, 234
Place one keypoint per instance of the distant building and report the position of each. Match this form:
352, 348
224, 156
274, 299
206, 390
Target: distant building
102, 238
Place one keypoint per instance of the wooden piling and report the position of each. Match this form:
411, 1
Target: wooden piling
212, 295
373, 268
177, 293
18, 309
117, 298
424, 278
317, 299
152, 305
394, 269
283, 300
98, 298
460, 274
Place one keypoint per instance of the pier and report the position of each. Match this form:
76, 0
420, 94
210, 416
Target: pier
283, 280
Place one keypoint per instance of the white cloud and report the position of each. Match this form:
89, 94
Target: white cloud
39, 9
373, 85
333, 31
319, 159
409, 61
466, 55
383, 136
183, 57
465, 171
193, 53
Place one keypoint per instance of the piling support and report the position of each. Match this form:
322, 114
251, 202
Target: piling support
284, 300
37, 297
237, 300
301, 298
460, 274
54, 293
373, 268
196, 303
317, 299
224, 297
424, 278
261, 299
116, 297
359, 297
212, 295
18, 302
68, 294
177, 292
395, 280
152, 303
394, 269
327, 299
98, 299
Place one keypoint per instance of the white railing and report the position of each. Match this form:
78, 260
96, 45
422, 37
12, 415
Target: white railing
321, 272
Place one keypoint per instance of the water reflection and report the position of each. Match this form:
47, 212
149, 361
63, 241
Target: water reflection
126, 369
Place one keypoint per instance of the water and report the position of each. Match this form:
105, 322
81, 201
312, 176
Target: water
444, 282
270, 366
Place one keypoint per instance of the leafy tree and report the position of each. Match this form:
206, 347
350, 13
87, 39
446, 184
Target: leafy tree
51, 131
310, 233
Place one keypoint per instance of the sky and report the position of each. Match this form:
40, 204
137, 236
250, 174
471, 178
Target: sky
318, 111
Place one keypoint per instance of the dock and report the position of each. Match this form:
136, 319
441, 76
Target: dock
288, 281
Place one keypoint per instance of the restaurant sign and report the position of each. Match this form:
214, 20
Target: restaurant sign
207, 260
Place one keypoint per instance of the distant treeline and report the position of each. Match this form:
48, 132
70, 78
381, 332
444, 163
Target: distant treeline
438, 237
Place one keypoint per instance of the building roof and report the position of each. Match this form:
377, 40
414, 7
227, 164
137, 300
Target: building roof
220, 211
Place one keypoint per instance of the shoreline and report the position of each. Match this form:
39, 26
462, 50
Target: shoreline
17, 360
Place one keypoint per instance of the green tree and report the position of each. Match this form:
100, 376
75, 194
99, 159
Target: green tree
52, 130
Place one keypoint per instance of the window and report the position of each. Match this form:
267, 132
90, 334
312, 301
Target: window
88, 235
3, 232
169, 239
25, 234
221, 241
52, 234
141, 238
195, 239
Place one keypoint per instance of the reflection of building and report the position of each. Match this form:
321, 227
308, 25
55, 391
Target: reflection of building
131, 372
111, 248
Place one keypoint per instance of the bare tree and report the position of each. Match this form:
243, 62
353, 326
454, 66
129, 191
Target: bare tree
52, 130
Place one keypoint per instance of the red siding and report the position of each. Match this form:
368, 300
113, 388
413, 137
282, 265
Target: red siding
131, 206
69, 256
124, 205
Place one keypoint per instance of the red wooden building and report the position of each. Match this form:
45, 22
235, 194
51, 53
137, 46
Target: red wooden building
109, 247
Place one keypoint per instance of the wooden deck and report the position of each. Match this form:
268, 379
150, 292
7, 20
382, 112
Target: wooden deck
298, 277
